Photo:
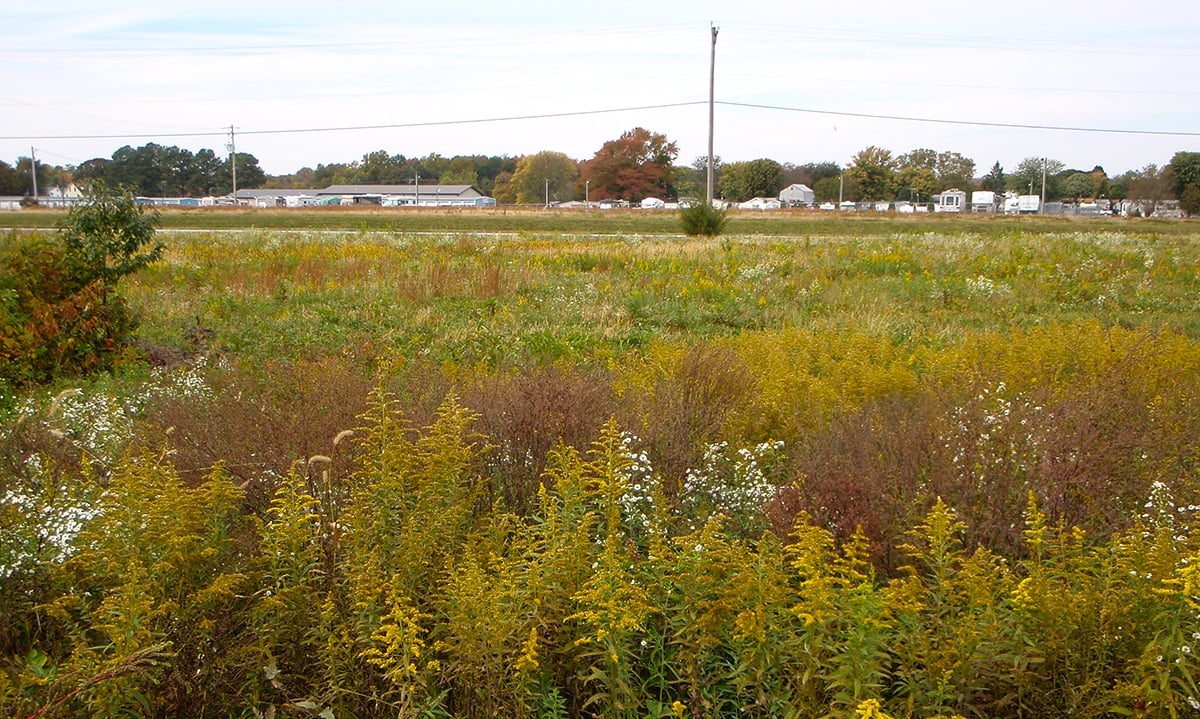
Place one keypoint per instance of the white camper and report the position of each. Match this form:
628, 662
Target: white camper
950, 201
983, 201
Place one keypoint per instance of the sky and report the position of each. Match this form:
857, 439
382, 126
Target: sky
308, 83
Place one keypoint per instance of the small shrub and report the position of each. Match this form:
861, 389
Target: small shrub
107, 237
59, 313
703, 219
51, 323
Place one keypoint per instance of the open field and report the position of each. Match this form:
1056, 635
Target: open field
794, 223
512, 299
597, 468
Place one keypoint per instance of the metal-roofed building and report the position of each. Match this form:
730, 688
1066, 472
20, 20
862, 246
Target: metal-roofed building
277, 197
418, 195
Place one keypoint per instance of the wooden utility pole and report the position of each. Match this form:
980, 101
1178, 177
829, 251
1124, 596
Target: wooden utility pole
712, 74
233, 163
1042, 207
33, 172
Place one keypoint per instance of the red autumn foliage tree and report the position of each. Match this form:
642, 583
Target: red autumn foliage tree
637, 165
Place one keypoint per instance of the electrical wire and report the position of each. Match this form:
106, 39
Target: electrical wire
969, 123
352, 128
553, 115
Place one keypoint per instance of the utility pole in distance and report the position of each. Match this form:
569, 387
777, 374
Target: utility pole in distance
712, 74
233, 163
1042, 207
33, 172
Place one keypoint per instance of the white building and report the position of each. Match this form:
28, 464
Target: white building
418, 195
761, 203
261, 198
796, 195
61, 196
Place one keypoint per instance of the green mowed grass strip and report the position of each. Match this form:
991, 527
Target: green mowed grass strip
611, 222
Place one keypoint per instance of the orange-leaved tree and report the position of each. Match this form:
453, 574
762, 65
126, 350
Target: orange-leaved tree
637, 165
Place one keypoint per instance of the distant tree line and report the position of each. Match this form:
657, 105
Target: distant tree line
16, 179
636, 165
381, 168
155, 170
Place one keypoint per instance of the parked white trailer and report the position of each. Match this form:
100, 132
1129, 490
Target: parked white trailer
1028, 204
983, 201
950, 201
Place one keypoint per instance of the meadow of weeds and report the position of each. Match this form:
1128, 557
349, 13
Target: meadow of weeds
828, 468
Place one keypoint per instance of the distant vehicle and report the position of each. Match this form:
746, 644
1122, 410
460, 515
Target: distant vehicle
1027, 204
848, 206
828, 206
983, 201
950, 201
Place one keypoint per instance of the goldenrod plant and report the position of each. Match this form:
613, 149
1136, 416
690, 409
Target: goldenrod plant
858, 470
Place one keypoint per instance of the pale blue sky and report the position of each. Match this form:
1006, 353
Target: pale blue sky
178, 75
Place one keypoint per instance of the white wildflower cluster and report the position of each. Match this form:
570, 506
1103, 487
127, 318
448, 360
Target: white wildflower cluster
578, 302
41, 525
1148, 258
641, 486
99, 424
1158, 511
508, 457
739, 483
755, 273
997, 435
1103, 240
812, 289
1161, 512
983, 286
42, 514
186, 383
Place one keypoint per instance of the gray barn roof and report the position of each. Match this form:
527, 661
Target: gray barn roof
278, 192
462, 191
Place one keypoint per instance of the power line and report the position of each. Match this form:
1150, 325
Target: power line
352, 128
969, 123
456, 43
1023, 44
476, 121
581, 113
